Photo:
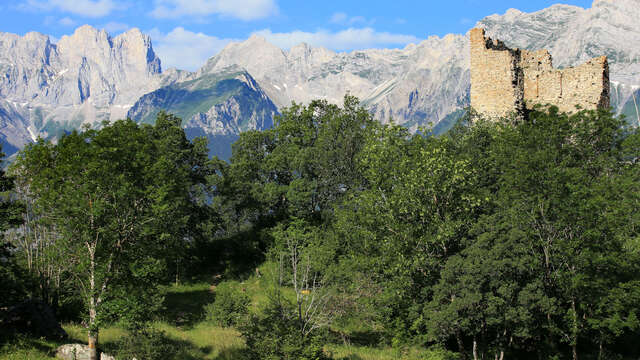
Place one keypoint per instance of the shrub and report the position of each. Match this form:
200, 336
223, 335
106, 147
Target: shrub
146, 343
230, 305
276, 334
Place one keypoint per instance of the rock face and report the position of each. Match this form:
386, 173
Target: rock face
218, 106
223, 103
505, 80
84, 78
415, 85
89, 76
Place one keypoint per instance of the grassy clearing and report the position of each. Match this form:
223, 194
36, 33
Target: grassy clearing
183, 323
207, 341
184, 303
23, 348
345, 352
78, 334
202, 341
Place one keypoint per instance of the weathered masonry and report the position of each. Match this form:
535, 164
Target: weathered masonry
507, 81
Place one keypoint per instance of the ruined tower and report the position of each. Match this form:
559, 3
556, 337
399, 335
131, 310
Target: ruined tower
507, 81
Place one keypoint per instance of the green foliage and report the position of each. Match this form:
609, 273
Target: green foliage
14, 281
422, 197
230, 306
276, 334
21, 347
122, 199
514, 239
497, 239
300, 168
146, 343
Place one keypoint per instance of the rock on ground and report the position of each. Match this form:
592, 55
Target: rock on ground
77, 352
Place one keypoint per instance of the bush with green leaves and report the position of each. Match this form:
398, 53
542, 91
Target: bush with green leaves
231, 305
276, 333
146, 343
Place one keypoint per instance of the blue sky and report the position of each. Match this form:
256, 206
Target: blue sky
187, 32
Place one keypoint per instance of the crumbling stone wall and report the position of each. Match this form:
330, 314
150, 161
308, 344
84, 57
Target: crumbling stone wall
505, 81
496, 77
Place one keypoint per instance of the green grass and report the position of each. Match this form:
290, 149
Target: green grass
202, 341
184, 304
184, 326
108, 335
207, 341
345, 352
191, 97
24, 348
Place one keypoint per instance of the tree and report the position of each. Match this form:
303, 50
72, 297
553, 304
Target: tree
121, 198
289, 327
564, 187
12, 278
300, 168
420, 201
562, 176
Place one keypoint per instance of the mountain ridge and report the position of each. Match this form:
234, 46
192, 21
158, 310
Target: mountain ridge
90, 76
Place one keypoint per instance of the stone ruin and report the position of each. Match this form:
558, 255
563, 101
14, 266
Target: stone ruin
506, 82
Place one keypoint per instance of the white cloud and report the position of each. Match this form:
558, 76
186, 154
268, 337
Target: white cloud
349, 39
66, 21
115, 27
344, 19
339, 18
239, 9
88, 8
184, 49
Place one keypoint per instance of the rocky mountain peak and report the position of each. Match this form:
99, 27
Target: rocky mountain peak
511, 13
302, 49
86, 77
598, 3
256, 39
259, 57
90, 76
36, 37
85, 38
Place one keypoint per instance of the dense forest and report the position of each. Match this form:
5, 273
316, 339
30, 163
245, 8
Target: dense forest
498, 239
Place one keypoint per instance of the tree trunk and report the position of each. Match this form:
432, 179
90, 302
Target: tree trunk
475, 349
177, 272
93, 332
93, 345
93, 326
460, 345
600, 350
574, 344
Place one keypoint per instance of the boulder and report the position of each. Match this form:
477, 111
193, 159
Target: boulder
77, 352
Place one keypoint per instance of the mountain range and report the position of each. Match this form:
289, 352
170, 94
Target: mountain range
47, 88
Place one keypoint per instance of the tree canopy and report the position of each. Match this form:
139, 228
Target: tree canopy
122, 199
